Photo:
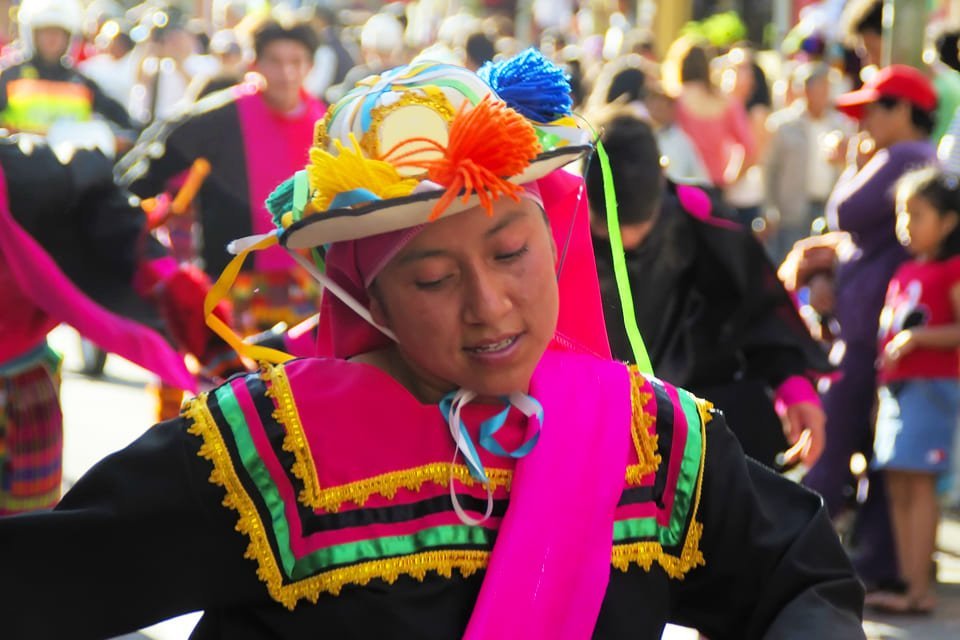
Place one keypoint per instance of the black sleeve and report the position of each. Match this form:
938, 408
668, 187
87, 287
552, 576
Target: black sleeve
168, 147
162, 151
140, 538
774, 566
108, 107
756, 313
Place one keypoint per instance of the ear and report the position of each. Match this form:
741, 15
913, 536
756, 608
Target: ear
951, 218
377, 309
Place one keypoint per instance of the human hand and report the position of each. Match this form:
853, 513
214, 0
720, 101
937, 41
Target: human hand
822, 296
806, 434
816, 254
834, 147
860, 149
902, 344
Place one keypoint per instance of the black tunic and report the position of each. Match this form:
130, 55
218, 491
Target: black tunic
143, 537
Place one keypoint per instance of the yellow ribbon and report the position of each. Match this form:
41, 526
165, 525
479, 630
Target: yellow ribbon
219, 291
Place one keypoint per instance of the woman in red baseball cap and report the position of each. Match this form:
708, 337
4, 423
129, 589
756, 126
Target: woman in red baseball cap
895, 109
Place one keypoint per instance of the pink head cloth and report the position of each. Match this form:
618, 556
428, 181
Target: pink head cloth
354, 264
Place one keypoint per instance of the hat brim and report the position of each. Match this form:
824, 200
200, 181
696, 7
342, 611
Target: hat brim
382, 216
854, 103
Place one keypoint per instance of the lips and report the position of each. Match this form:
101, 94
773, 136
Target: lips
493, 347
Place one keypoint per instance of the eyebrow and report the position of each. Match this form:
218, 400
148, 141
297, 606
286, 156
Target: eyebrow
507, 220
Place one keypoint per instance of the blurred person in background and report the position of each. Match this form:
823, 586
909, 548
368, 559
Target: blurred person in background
252, 136
863, 20
381, 48
227, 14
172, 58
478, 50
896, 111
744, 81
332, 61
707, 301
800, 167
919, 399
232, 65
113, 68
46, 88
73, 246
631, 83
717, 124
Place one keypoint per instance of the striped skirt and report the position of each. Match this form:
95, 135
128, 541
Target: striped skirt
31, 439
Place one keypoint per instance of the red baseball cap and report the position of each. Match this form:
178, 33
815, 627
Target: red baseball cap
895, 81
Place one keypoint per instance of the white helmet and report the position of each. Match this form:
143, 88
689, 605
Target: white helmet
36, 14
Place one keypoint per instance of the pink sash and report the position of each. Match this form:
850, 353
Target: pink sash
550, 565
41, 281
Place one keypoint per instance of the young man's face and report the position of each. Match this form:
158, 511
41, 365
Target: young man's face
284, 64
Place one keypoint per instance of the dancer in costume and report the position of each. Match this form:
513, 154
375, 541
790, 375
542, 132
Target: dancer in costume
253, 138
706, 299
468, 461
69, 239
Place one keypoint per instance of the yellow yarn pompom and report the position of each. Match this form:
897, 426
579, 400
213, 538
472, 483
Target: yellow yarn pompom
331, 175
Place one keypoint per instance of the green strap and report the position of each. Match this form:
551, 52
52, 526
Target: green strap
640, 355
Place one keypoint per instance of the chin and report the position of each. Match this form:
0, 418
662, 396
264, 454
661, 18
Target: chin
499, 384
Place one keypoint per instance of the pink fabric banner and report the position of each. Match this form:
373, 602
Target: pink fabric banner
41, 281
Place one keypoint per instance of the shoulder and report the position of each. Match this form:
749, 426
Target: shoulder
911, 155
656, 519
20, 70
215, 106
786, 119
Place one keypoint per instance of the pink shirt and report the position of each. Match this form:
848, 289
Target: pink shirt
715, 137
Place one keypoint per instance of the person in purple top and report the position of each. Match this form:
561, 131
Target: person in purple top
895, 109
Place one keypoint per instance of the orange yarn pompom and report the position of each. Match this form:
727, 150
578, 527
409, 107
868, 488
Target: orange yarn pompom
487, 143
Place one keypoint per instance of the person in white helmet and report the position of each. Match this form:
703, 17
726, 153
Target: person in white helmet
45, 88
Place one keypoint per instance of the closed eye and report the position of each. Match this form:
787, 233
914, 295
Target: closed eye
430, 284
507, 257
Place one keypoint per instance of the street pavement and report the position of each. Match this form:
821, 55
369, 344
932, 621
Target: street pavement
104, 415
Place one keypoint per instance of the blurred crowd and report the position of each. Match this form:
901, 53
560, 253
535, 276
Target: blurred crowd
801, 144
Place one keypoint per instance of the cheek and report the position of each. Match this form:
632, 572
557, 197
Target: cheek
425, 321
538, 295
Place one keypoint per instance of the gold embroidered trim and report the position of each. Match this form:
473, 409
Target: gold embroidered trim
387, 484
268, 571
295, 442
416, 566
705, 407
358, 492
644, 441
644, 553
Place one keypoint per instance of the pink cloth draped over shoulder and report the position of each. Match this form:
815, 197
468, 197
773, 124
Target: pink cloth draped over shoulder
550, 565
38, 281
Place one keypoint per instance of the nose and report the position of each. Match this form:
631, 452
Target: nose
487, 298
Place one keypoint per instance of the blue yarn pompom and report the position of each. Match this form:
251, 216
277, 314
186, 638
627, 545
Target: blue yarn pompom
530, 84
